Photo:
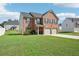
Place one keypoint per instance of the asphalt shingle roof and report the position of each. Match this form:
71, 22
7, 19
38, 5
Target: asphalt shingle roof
51, 11
74, 19
26, 14
38, 15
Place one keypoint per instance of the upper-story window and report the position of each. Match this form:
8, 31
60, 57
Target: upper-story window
77, 25
54, 21
66, 25
37, 21
72, 20
49, 21
28, 19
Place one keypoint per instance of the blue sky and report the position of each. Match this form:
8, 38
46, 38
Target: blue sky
39, 7
12, 10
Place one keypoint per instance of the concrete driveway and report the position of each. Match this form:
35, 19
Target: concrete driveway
66, 36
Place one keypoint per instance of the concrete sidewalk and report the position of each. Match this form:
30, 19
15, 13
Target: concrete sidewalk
66, 36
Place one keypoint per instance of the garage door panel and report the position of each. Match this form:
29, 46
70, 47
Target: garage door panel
53, 31
47, 31
50, 31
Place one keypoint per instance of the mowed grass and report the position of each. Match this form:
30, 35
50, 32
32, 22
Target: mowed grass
14, 44
70, 33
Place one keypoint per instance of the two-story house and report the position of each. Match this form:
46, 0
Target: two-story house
70, 25
46, 23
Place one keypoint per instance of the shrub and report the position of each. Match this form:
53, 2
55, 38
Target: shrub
28, 30
33, 32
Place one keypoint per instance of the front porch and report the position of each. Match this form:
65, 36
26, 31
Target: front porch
40, 29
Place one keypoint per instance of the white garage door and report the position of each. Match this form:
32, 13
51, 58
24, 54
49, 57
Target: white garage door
49, 31
54, 31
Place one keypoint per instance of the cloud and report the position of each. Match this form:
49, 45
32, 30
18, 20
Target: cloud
62, 16
11, 15
2, 7
5, 14
66, 14
73, 5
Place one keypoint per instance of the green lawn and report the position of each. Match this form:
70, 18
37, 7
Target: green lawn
16, 44
70, 33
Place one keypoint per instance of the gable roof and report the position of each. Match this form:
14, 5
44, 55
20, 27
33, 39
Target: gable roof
26, 14
37, 15
73, 19
50, 12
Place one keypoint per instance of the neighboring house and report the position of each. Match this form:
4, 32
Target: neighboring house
11, 25
2, 31
46, 23
70, 25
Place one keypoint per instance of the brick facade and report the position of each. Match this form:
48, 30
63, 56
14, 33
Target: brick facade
39, 28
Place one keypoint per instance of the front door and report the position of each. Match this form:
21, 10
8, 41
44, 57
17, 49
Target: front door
40, 30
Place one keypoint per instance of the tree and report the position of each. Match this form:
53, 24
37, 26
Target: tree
2, 24
9, 20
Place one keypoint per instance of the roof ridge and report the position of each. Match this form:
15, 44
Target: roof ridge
51, 11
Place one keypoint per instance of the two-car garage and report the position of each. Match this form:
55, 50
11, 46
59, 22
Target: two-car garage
49, 31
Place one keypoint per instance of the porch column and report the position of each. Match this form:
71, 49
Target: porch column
38, 30
23, 26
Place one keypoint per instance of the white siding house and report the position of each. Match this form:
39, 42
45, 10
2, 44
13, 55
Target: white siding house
9, 24
70, 25
2, 31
